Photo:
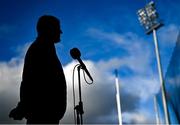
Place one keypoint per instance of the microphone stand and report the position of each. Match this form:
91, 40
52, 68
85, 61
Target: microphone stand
79, 108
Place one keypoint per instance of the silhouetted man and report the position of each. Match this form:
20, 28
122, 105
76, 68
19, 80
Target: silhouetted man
43, 87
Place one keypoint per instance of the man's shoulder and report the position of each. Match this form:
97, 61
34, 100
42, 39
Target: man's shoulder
35, 46
33, 49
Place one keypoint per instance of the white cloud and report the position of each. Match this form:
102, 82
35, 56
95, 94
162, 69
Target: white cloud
21, 49
99, 98
139, 51
96, 33
168, 34
10, 78
144, 87
92, 95
138, 118
10, 73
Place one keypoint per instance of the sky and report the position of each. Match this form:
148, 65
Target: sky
109, 36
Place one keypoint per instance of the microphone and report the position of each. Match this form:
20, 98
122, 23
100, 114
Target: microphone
76, 54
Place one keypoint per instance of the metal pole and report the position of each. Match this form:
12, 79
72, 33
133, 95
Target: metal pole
156, 111
161, 79
79, 108
118, 99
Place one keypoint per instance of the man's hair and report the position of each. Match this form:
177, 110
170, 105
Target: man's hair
47, 23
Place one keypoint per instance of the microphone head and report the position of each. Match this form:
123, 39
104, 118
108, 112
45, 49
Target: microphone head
75, 53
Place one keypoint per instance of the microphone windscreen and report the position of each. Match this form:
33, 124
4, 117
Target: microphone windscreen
75, 53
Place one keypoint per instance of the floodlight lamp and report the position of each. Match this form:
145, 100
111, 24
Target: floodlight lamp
148, 17
142, 16
151, 11
152, 3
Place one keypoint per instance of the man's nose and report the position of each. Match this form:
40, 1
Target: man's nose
61, 31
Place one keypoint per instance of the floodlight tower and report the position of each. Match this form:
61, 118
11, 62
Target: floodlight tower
148, 18
118, 98
156, 110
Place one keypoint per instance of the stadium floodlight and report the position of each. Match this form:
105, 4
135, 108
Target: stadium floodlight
143, 18
149, 19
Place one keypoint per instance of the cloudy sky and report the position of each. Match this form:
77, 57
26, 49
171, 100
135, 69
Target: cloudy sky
109, 36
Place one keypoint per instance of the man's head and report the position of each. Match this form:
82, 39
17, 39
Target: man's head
49, 28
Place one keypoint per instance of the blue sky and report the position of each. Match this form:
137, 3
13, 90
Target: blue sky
109, 36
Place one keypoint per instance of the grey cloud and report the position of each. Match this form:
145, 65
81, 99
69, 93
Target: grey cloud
130, 102
9, 88
8, 101
100, 98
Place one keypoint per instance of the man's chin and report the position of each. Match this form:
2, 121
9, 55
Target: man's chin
57, 41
